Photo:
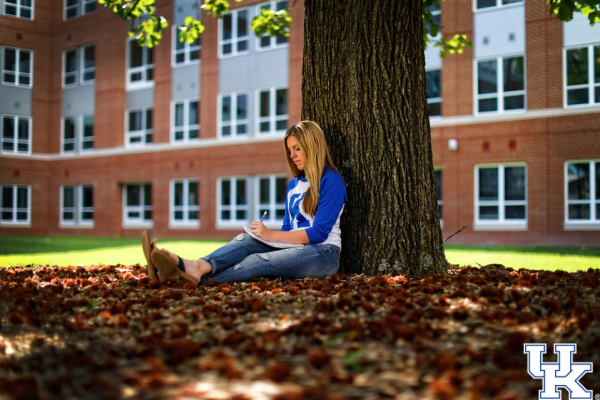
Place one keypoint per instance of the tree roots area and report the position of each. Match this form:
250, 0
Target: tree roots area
109, 332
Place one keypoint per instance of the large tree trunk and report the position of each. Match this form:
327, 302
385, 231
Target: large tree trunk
363, 81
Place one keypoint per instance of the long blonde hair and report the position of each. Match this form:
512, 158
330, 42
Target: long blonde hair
312, 142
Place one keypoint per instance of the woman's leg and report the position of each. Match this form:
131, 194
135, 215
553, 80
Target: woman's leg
317, 261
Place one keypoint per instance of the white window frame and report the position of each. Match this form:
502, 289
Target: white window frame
143, 69
234, 122
139, 133
80, 7
272, 39
497, 6
78, 209
234, 40
186, 223
17, 72
436, 99
19, 7
500, 93
186, 127
15, 209
186, 51
137, 223
501, 223
581, 224
16, 139
79, 139
590, 86
272, 118
233, 223
270, 221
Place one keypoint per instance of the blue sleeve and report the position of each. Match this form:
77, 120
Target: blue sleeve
331, 201
287, 226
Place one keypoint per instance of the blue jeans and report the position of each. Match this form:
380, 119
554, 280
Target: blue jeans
245, 257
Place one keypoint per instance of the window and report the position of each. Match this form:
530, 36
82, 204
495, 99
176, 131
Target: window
19, 8
481, 4
271, 197
137, 200
234, 35
438, 189
434, 92
582, 180
78, 134
185, 204
16, 204
140, 66
233, 200
436, 15
17, 68
582, 75
272, 111
501, 85
185, 53
16, 134
75, 8
266, 42
233, 117
501, 194
139, 127
77, 205
186, 124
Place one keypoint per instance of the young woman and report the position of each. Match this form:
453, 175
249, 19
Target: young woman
315, 201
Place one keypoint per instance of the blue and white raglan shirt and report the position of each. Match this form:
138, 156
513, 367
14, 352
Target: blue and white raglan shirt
325, 227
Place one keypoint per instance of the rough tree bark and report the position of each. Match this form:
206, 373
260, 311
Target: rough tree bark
363, 81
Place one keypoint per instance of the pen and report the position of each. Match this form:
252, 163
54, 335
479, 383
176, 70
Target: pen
263, 217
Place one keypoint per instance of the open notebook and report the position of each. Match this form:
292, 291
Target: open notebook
279, 245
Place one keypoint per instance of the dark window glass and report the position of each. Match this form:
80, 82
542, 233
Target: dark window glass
264, 104
69, 128
242, 106
578, 176
515, 212
281, 102
226, 193
579, 211
513, 74
227, 28
88, 196
488, 212
135, 54
242, 23
264, 191
148, 195
226, 109
22, 199
133, 195
577, 66
193, 193
578, 96
438, 184
7, 197
240, 192
178, 194
598, 185
433, 84
487, 77
514, 183
488, 184
179, 114
8, 128
280, 190
10, 60
486, 3
435, 109
69, 197
514, 102
488, 105
135, 121
193, 117
240, 214
149, 119
24, 61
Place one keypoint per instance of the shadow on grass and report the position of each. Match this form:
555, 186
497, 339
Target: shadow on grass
565, 251
61, 244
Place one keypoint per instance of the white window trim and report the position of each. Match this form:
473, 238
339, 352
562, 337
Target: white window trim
233, 223
82, 68
234, 121
186, 223
273, 42
272, 118
186, 117
143, 84
186, 50
234, 40
139, 223
19, 7
497, 6
500, 224
80, 9
435, 99
78, 140
270, 221
577, 224
14, 222
500, 93
591, 85
17, 73
16, 140
143, 132
78, 223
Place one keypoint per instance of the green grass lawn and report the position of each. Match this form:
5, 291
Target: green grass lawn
64, 251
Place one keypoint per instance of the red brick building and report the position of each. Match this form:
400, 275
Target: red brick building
100, 137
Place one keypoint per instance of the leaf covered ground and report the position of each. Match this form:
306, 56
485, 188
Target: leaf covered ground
109, 332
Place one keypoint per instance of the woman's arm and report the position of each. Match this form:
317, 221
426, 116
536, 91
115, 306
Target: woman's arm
295, 237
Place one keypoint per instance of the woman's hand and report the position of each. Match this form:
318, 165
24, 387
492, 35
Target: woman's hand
260, 230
